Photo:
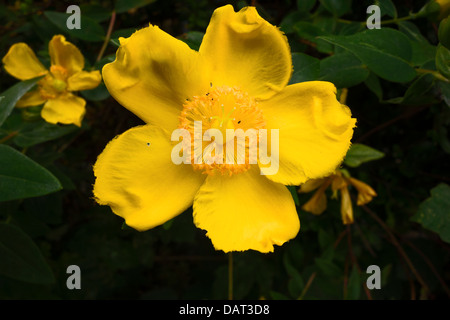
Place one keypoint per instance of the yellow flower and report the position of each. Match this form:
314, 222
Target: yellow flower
55, 89
237, 80
445, 8
339, 182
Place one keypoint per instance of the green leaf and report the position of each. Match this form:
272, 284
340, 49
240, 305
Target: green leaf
360, 153
337, 7
9, 98
305, 5
445, 91
444, 32
310, 31
296, 283
373, 83
20, 258
21, 177
354, 285
328, 268
125, 5
387, 7
422, 50
38, 132
434, 214
97, 94
443, 60
381, 50
193, 39
343, 69
306, 68
90, 30
293, 191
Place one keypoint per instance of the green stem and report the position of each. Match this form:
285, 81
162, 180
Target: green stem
412, 16
436, 74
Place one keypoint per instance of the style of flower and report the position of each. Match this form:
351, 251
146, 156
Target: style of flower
237, 80
54, 90
338, 182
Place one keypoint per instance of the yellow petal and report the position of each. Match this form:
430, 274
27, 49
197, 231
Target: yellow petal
318, 202
338, 182
65, 54
246, 51
154, 74
84, 80
245, 211
65, 109
346, 207
30, 99
136, 177
314, 131
22, 63
311, 185
365, 192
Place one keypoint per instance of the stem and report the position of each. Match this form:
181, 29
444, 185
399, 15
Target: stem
230, 276
396, 20
108, 36
436, 74
308, 284
9, 136
398, 246
354, 261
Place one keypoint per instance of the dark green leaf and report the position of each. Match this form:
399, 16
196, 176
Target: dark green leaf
387, 7
305, 5
311, 31
38, 132
444, 32
306, 68
443, 60
125, 5
337, 7
381, 50
360, 153
373, 83
193, 39
97, 94
328, 268
294, 194
20, 258
434, 213
9, 98
21, 177
422, 50
445, 91
90, 30
343, 69
354, 285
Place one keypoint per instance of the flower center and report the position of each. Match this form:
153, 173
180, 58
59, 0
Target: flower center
223, 125
54, 83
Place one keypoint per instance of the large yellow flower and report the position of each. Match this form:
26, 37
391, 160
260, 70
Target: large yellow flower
55, 89
237, 80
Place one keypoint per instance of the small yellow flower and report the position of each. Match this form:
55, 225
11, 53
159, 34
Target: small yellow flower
237, 80
445, 8
339, 182
55, 89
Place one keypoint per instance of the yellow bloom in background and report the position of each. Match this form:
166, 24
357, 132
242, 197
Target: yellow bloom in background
338, 182
237, 80
445, 8
55, 89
